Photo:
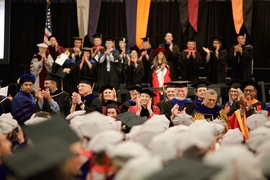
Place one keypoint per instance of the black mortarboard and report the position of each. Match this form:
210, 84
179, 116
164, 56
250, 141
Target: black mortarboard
169, 31
109, 38
112, 104
147, 91
1, 81
250, 83
52, 36
146, 39
178, 84
97, 35
57, 126
122, 39
217, 38
180, 170
191, 39
32, 162
56, 77
27, 78
87, 49
86, 80
129, 119
134, 87
107, 86
200, 83
135, 48
77, 38
235, 83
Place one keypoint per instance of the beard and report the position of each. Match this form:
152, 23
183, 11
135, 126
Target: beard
180, 98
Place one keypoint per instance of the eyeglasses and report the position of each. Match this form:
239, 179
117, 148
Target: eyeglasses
233, 91
82, 86
248, 90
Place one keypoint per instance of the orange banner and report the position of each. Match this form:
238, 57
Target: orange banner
143, 8
237, 10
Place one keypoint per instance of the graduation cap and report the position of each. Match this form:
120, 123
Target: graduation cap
135, 48
57, 77
217, 38
129, 120
134, 87
97, 35
146, 39
170, 32
55, 127
255, 121
86, 80
107, 86
42, 45
200, 84
77, 38
147, 91
191, 39
37, 161
235, 83
180, 170
122, 39
177, 84
159, 49
112, 104
250, 83
26, 78
109, 38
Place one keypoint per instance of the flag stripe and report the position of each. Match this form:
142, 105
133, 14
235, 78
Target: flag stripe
143, 8
48, 25
131, 10
237, 10
193, 7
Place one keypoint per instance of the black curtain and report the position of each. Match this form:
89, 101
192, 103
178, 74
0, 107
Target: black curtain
215, 18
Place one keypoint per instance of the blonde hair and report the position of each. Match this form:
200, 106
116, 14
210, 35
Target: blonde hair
240, 94
155, 61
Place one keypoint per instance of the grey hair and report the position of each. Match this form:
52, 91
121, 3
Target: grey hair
211, 92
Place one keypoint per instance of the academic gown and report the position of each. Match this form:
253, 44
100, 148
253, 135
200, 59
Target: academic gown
123, 60
75, 57
5, 105
202, 112
71, 80
3, 172
190, 67
89, 103
187, 103
55, 52
216, 67
144, 111
242, 64
238, 120
198, 102
147, 77
134, 75
22, 106
172, 58
126, 105
62, 98
113, 76
160, 105
86, 71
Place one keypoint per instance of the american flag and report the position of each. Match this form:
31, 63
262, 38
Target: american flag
48, 25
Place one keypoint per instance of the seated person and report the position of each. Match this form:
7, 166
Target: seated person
5, 102
201, 88
134, 92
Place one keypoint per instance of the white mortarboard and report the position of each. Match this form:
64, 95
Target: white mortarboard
123, 151
220, 128
232, 137
265, 164
7, 123
182, 119
177, 129
160, 119
116, 125
76, 129
75, 113
165, 146
77, 120
219, 121
42, 45
257, 137
264, 147
103, 140
198, 123
139, 168
255, 120
267, 124
35, 120
237, 162
133, 132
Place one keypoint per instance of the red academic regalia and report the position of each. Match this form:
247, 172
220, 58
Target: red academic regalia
155, 110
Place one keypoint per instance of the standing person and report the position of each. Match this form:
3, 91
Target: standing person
88, 66
134, 70
76, 51
109, 65
160, 72
190, 61
134, 92
216, 62
124, 53
147, 56
22, 105
97, 45
201, 88
241, 59
54, 49
172, 55
41, 63
52, 99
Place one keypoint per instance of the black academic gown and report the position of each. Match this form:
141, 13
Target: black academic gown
242, 64
172, 58
190, 67
5, 105
123, 60
61, 97
71, 79
126, 105
216, 67
86, 71
113, 76
76, 57
188, 104
160, 105
147, 77
92, 103
134, 75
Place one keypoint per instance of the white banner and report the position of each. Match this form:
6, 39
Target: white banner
83, 15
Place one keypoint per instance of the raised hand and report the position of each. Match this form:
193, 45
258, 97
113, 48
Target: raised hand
206, 50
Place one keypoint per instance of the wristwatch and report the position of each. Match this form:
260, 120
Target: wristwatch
80, 104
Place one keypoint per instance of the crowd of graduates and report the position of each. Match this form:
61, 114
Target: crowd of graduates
56, 128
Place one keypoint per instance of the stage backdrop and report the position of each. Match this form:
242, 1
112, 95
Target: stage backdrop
214, 18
